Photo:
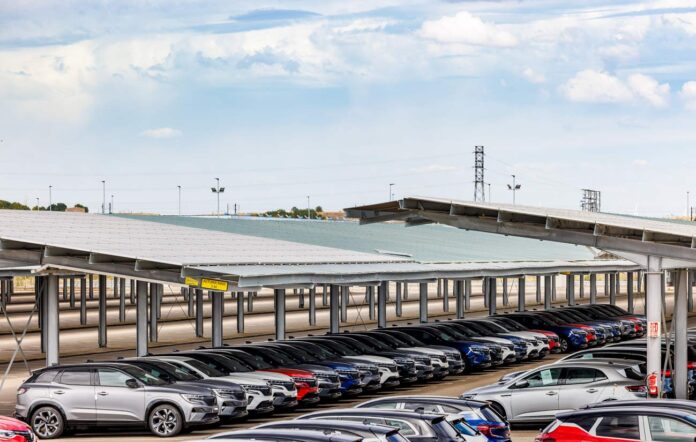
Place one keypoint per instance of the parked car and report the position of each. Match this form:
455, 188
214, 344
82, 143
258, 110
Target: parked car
478, 414
537, 343
13, 430
231, 398
282, 435
606, 311
259, 392
621, 424
373, 433
414, 426
513, 326
110, 394
571, 338
538, 394
511, 350
454, 356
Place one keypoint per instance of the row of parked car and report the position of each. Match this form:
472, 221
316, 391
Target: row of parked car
171, 392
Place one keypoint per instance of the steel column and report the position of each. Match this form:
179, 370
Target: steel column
570, 289
153, 312
345, 298
217, 298
506, 295
548, 290
65, 288
324, 294
521, 295
612, 289
423, 305
382, 294
606, 284
397, 300
690, 290
653, 311
554, 286
467, 295
199, 313
334, 313
445, 296
72, 292
492, 296
680, 326
102, 311
279, 301
593, 288
83, 301
122, 300
91, 287
405, 291
43, 312
132, 292
485, 286
629, 292
581, 281
141, 319
538, 289
371, 301
300, 299
190, 302
313, 306
458, 289
52, 324
240, 312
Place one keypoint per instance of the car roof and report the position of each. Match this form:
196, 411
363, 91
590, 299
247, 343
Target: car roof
672, 403
303, 435
648, 410
595, 364
84, 365
332, 423
426, 398
374, 412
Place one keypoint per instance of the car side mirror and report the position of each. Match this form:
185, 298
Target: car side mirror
521, 384
132, 383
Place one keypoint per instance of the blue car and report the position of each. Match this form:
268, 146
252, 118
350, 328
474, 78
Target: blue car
571, 338
477, 414
476, 354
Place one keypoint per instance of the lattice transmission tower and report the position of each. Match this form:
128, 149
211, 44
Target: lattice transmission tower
479, 183
591, 200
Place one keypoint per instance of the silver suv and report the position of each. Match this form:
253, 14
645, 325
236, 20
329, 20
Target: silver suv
110, 394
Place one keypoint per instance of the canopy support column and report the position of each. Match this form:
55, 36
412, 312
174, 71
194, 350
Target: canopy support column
199, 313
679, 320
506, 294
153, 312
382, 293
141, 319
690, 290
313, 306
122, 300
345, 299
538, 289
593, 288
445, 296
397, 300
102, 311
240, 312
72, 291
653, 311
334, 314
217, 299
83, 301
423, 307
279, 298
581, 283
458, 288
492, 296
370, 293
570, 289
521, 295
612, 288
629, 291
52, 321
467, 295
547, 291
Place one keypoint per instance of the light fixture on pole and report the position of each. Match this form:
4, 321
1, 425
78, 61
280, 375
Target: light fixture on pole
50, 199
218, 190
111, 205
179, 187
514, 187
37, 204
391, 194
309, 211
490, 195
103, 197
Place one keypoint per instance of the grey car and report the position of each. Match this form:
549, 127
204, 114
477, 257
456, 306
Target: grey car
370, 433
111, 395
537, 395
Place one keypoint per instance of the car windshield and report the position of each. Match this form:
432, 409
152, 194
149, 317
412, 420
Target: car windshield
143, 376
204, 368
225, 365
444, 335
462, 427
357, 347
338, 347
299, 353
445, 430
367, 343
253, 361
565, 316
490, 415
476, 327
376, 343
278, 357
510, 324
579, 315
548, 320
407, 339
322, 353
388, 339
492, 326
456, 332
179, 373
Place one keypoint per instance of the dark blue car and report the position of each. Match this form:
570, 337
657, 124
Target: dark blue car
476, 354
477, 414
571, 338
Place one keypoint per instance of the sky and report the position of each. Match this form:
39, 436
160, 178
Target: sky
335, 100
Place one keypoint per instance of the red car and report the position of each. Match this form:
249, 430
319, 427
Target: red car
12, 430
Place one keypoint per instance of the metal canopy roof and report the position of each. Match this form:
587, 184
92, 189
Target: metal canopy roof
153, 251
632, 237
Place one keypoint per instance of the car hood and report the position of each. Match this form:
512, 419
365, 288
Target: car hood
486, 389
8, 423
373, 359
503, 341
423, 350
266, 376
214, 383
290, 372
245, 379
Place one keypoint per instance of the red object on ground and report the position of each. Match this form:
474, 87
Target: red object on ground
12, 430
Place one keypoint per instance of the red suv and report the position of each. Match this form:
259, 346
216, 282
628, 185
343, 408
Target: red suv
12, 430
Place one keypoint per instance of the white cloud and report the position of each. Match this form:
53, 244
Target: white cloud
468, 29
533, 76
590, 86
162, 133
640, 162
688, 94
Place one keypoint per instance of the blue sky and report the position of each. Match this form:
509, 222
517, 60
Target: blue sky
338, 99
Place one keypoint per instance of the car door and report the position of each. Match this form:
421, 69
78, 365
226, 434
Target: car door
668, 429
580, 386
538, 398
73, 389
116, 402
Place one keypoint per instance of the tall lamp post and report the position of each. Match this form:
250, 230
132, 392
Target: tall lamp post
103, 197
179, 187
391, 194
111, 205
309, 211
218, 190
514, 187
50, 199
37, 204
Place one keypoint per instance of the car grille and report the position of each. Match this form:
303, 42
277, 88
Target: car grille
332, 378
210, 400
266, 391
27, 435
289, 385
409, 364
240, 395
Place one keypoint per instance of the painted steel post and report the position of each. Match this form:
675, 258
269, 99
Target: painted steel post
279, 301
554, 287
190, 302
653, 311
606, 284
141, 319
538, 289
593, 288
405, 291
52, 323
445, 296
423, 305
300, 299
217, 298
199, 313
506, 295
382, 294
521, 295
485, 286
250, 301
153, 312
334, 314
467, 295
458, 288
132, 292
83, 301
345, 299
91, 287
397, 300
548, 290
43, 281
72, 291
581, 281
690, 290
629, 291
570, 289
102, 312
122, 300
313, 306
324, 296
371, 302
240, 312
612, 289
492, 296
679, 320
439, 288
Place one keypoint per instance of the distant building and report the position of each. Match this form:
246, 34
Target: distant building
76, 209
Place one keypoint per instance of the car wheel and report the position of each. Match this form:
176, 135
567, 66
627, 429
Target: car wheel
165, 421
564, 345
47, 423
499, 410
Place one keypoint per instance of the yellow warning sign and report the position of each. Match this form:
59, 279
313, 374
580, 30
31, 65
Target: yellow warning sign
193, 282
214, 284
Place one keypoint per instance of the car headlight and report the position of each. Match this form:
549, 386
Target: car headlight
223, 392
198, 399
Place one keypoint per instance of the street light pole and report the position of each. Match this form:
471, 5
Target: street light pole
103, 197
179, 187
514, 187
218, 190
490, 198
309, 212
391, 195
111, 206
37, 204
50, 199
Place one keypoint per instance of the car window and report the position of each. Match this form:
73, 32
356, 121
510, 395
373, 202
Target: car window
404, 427
543, 378
46, 377
76, 377
427, 408
384, 405
584, 422
490, 415
582, 375
450, 409
665, 429
623, 427
112, 378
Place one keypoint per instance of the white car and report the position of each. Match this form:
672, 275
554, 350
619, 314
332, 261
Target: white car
259, 392
540, 342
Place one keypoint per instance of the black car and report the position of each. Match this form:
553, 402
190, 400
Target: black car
350, 428
282, 435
